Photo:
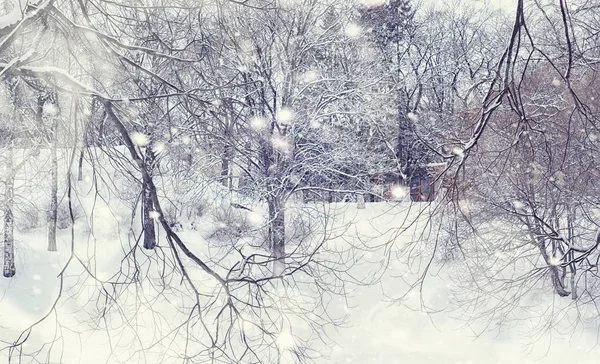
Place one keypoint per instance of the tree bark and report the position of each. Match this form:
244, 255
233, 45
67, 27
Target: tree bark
277, 233
80, 165
9, 251
360, 200
147, 205
571, 215
53, 213
226, 168
555, 274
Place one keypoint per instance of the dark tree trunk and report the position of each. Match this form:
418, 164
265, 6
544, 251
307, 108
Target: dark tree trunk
555, 271
147, 204
226, 167
277, 233
85, 142
80, 165
406, 139
360, 200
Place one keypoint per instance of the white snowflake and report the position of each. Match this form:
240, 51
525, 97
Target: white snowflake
353, 30
285, 115
518, 205
281, 143
310, 76
159, 148
459, 152
154, 215
555, 261
258, 122
413, 117
285, 340
556, 82
50, 109
139, 139
255, 218
372, 3
399, 192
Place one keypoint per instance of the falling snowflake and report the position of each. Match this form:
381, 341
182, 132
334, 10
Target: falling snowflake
353, 30
154, 215
556, 82
139, 139
555, 261
281, 143
372, 3
310, 76
413, 117
518, 205
399, 192
255, 218
159, 148
459, 152
285, 340
50, 109
258, 122
285, 115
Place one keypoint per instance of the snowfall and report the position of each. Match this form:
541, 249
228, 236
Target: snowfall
385, 322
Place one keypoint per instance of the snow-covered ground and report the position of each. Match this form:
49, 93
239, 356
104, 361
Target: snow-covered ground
383, 323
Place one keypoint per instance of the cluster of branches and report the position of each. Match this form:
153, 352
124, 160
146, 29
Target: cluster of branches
522, 218
270, 99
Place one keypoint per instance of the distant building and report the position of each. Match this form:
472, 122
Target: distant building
426, 182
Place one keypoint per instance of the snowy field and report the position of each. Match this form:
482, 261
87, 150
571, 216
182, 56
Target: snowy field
378, 327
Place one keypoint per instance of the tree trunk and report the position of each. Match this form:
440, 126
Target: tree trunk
555, 274
80, 165
571, 215
360, 200
9, 250
406, 130
53, 213
225, 167
277, 233
147, 205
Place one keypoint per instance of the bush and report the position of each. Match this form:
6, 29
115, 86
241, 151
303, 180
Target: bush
27, 216
63, 217
229, 223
